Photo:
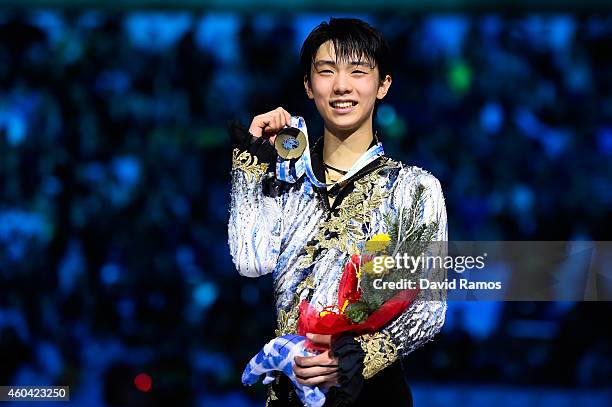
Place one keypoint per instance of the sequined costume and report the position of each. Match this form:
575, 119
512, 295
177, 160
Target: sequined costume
291, 231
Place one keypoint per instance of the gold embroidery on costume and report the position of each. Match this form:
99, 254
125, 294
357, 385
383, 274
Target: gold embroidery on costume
287, 320
247, 162
271, 392
343, 229
379, 351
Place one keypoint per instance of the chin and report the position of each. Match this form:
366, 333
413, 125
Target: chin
344, 125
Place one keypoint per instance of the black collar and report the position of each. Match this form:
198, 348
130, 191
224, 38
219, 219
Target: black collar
316, 156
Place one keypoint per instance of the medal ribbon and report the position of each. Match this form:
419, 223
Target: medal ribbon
288, 172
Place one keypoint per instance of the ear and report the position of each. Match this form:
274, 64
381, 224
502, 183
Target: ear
308, 87
383, 87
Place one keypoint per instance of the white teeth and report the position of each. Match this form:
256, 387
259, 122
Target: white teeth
343, 105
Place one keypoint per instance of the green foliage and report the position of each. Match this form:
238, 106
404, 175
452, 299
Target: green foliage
358, 311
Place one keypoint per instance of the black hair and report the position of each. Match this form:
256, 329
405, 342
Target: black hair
352, 38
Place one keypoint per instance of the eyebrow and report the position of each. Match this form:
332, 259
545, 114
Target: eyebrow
333, 63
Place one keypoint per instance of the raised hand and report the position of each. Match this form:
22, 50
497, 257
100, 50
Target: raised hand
268, 124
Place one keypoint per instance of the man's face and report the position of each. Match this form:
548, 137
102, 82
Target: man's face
344, 93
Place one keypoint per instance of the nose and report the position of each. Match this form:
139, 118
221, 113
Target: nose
342, 84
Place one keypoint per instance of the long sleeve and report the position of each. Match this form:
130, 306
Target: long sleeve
425, 316
255, 222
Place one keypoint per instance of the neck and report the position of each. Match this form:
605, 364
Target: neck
343, 149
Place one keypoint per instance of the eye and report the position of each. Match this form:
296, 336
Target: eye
326, 71
359, 72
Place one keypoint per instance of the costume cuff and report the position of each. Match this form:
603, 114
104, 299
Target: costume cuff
350, 360
379, 350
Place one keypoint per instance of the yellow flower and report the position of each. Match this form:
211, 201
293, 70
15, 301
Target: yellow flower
380, 237
377, 266
378, 242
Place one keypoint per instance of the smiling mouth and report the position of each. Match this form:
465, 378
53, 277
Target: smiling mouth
343, 104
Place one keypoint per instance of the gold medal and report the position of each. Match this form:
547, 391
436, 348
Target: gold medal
290, 143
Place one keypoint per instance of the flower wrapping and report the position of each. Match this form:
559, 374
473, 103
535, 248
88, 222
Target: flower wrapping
333, 320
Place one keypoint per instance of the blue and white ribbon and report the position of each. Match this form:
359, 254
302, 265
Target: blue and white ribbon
292, 172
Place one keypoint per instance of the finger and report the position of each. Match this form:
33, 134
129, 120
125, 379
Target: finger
322, 359
308, 372
315, 381
276, 123
282, 120
276, 120
271, 121
277, 113
279, 120
320, 339
287, 116
271, 124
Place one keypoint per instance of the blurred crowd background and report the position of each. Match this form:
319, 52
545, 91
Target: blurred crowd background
114, 192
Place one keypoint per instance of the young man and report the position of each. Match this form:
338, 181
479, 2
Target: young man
304, 232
